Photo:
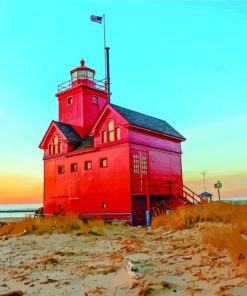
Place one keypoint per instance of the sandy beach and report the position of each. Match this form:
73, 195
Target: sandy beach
168, 263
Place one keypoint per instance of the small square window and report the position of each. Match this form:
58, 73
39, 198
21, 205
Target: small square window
103, 162
69, 100
88, 165
73, 167
95, 100
60, 169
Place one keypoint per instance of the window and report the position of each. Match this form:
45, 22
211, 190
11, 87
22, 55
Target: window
144, 165
69, 100
104, 137
88, 165
95, 100
73, 167
59, 147
136, 164
103, 205
118, 134
103, 162
60, 169
111, 132
55, 145
50, 148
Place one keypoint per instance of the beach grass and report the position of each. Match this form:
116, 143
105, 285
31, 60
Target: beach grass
188, 216
222, 225
69, 223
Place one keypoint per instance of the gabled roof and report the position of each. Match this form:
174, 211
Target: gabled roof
147, 121
68, 131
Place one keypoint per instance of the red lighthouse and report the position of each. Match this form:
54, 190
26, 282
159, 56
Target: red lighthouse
101, 159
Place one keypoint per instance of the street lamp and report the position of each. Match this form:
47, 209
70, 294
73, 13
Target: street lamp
218, 185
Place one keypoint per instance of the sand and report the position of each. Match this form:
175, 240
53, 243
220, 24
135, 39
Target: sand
67, 264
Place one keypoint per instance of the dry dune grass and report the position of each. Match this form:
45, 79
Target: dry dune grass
223, 226
226, 237
188, 216
69, 223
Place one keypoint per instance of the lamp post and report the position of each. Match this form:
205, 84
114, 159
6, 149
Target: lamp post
218, 185
204, 180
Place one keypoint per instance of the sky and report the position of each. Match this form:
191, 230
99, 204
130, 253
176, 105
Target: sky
181, 61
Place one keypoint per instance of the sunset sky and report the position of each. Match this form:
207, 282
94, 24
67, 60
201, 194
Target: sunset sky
181, 61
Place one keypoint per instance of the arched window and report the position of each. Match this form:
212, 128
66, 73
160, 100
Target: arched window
111, 131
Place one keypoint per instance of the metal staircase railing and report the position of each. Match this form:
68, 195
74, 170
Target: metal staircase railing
188, 195
179, 193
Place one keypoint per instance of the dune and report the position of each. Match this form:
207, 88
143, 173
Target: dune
168, 262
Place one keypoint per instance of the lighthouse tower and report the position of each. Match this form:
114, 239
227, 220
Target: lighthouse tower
81, 99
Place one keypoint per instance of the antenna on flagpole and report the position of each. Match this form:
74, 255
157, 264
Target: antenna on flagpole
204, 179
104, 41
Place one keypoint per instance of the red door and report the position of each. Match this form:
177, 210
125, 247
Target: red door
139, 171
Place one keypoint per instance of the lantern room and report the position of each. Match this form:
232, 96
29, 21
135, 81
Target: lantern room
82, 72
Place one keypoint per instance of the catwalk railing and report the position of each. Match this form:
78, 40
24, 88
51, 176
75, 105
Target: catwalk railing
82, 79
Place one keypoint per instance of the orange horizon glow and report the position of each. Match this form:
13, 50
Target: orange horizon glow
31, 191
16, 189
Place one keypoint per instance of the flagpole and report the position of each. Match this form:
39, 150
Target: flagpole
105, 52
107, 65
104, 31
104, 43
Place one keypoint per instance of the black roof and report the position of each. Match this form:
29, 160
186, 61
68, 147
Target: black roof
68, 131
147, 121
86, 143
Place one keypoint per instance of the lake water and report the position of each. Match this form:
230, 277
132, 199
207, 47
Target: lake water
11, 207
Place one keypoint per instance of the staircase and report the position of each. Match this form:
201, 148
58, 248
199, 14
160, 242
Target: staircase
177, 195
183, 195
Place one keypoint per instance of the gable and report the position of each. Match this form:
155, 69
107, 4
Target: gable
64, 131
107, 114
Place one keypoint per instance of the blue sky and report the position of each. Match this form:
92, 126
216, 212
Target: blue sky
182, 61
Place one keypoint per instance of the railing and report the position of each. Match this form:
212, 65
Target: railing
98, 84
187, 194
180, 193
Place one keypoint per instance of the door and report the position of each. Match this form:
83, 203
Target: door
139, 171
